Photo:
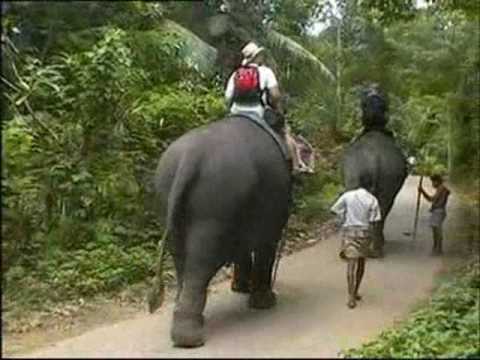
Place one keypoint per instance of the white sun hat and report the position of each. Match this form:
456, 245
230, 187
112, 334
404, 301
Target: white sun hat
250, 51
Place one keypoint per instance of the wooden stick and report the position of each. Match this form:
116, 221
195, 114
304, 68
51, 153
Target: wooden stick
417, 210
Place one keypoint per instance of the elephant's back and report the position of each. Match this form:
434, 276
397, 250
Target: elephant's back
376, 154
230, 160
235, 144
372, 148
382, 146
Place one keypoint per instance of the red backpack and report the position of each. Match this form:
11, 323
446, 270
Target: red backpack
247, 85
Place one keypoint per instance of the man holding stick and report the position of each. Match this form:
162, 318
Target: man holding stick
438, 211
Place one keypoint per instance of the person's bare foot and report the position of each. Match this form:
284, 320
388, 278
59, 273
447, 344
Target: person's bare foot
351, 303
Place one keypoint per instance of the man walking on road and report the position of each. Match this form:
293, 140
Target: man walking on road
358, 209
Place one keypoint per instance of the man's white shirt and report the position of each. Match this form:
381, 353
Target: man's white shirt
357, 208
267, 81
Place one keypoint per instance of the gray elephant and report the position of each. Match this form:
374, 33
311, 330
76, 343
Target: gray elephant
224, 191
376, 155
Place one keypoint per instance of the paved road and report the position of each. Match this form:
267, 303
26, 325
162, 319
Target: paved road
311, 318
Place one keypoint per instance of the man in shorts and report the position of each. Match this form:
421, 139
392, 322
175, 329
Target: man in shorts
357, 209
438, 211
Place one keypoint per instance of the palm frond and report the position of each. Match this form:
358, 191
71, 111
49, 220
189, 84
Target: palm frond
278, 40
195, 50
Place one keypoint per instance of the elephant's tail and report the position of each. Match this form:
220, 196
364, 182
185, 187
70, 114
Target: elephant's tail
183, 175
182, 181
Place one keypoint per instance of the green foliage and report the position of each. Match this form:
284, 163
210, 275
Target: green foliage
46, 25
429, 165
293, 17
103, 265
447, 327
471, 9
87, 130
387, 12
159, 54
422, 123
172, 111
319, 195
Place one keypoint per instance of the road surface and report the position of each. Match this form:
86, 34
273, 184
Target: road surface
311, 318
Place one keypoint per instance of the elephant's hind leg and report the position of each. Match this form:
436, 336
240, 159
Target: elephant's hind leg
262, 295
201, 264
242, 272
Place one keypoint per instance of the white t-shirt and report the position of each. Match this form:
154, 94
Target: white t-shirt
267, 81
357, 208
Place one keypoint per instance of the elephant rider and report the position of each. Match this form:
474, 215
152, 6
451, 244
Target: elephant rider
253, 86
252, 90
374, 105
